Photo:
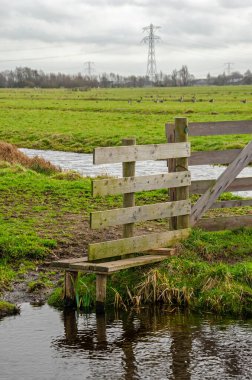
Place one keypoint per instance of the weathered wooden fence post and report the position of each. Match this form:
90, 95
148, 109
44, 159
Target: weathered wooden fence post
129, 170
69, 291
179, 133
101, 287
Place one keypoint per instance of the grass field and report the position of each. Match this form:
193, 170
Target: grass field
44, 213
81, 120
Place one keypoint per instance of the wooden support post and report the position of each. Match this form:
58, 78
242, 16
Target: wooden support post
129, 170
69, 292
171, 163
181, 164
101, 285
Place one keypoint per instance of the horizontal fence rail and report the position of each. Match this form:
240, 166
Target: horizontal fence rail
215, 157
239, 184
125, 185
140, 153
225, 223
135, 244
101, 219
218, 128
231, 204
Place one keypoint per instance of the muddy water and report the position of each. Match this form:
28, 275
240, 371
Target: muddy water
43, 343
83, 163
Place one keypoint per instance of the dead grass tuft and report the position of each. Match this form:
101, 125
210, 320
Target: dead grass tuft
9, 153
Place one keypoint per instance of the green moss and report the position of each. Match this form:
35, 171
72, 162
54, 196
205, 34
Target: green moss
56, 298
7, 308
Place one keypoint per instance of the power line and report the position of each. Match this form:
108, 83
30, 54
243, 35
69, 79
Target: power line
41, 58
150, 39
31, 49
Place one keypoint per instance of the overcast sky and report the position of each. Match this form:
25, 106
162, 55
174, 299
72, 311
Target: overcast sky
60, 35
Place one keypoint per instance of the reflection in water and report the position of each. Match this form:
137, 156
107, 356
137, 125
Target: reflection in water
153, 344
43, 343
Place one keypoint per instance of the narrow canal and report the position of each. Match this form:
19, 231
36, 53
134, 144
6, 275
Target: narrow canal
43, 343
83, 163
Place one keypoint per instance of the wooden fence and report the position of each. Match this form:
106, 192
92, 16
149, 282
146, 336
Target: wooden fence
210, 190
128, 185
151, 247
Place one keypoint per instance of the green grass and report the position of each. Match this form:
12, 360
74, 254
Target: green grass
186, 281
79, 121
42, 215
7, 308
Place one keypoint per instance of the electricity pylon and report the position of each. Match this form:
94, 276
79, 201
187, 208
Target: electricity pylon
150, 39
229, 67
89, 68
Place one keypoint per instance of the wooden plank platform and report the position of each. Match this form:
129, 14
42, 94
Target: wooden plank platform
114, 266
64, 263
81, 263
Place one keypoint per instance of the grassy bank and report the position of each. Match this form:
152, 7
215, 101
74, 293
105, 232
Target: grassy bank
44, 216
6, 308
79, 121
212, 273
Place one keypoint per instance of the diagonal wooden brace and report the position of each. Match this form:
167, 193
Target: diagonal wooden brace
222, 183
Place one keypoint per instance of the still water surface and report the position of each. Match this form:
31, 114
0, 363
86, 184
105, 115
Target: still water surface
43, 344
83, 163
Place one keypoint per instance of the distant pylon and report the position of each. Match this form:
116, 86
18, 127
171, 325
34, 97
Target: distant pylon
229, 67
89, 68
150, 39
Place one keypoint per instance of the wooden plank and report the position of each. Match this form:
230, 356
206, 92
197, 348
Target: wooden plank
233, 203
135, 214
214, 157
222, 183
111, 155
135, 244
162, 251
101, 219
220, 128
64, 264
224, 223
112, 186
128, 198
114, 266
239, 184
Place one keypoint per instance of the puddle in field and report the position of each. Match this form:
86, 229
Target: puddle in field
43, 343
83, 163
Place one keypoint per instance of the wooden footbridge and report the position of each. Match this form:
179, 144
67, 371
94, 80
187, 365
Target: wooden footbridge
108, 257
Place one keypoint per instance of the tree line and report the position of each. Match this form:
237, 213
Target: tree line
27, 77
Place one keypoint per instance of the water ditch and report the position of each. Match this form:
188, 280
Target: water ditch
44, 343
83, 163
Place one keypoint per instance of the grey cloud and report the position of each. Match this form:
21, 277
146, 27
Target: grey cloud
235, 3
